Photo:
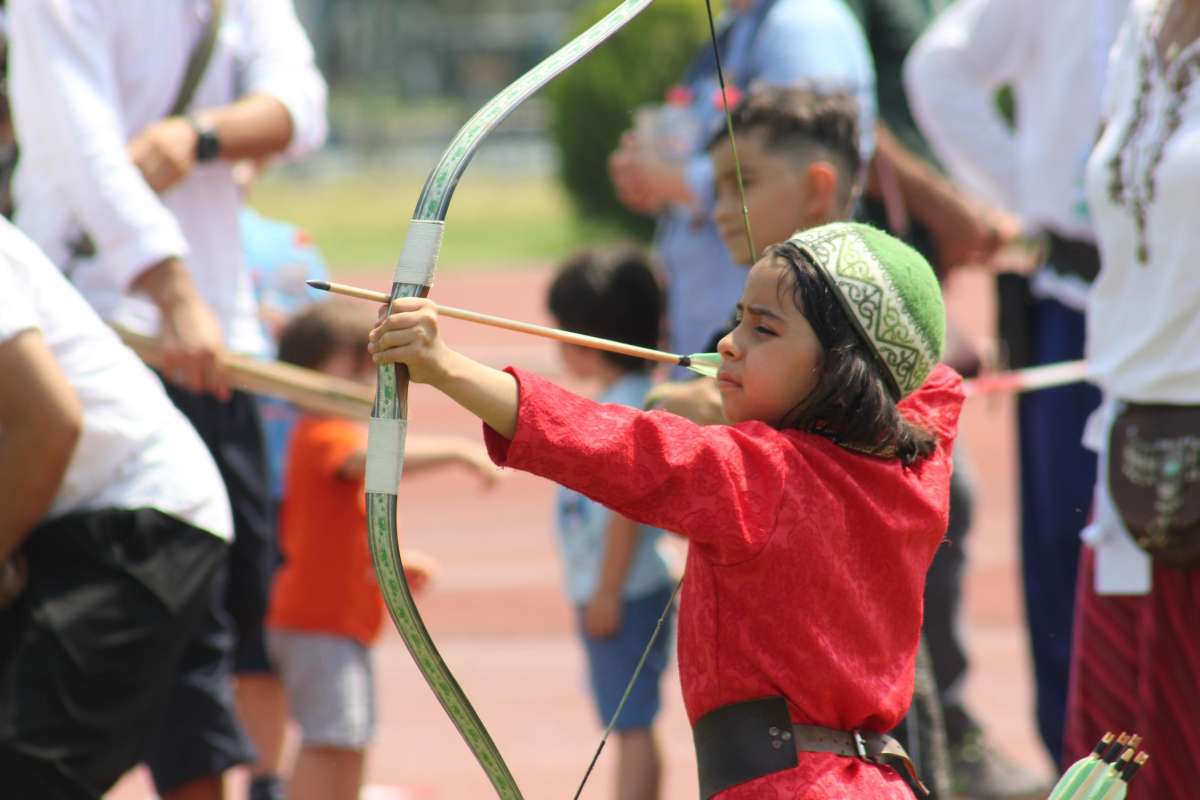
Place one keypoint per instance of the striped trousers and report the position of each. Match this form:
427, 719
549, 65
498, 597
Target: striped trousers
1136, 667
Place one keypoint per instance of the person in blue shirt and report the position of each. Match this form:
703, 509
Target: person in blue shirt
281, 257
777, 42
616, 575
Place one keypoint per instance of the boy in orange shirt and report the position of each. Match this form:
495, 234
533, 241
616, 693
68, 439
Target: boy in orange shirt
326, 609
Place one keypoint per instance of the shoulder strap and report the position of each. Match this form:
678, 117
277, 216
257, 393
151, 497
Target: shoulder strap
198, 62
81, 246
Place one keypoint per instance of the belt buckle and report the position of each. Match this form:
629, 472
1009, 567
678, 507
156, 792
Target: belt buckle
860, 745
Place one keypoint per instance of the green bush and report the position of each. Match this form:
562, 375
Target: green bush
593, 102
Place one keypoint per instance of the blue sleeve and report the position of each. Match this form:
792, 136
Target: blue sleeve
818, 41
698, 172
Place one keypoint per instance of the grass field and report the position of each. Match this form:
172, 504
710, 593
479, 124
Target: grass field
496, 219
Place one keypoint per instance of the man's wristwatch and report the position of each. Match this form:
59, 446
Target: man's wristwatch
208, 144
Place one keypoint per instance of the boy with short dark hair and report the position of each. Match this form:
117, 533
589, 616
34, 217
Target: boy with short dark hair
615, 574
800, 164
798, 150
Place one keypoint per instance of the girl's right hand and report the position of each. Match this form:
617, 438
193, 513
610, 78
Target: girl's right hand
410, 335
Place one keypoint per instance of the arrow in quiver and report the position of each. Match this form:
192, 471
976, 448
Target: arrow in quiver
1104, 773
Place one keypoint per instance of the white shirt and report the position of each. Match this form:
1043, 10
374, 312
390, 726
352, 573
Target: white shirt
1143, 330
1054, 55
136, 449
85, 77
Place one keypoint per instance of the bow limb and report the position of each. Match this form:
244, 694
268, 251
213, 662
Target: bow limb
389, 418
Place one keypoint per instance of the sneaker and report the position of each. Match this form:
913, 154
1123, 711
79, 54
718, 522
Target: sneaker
979, 771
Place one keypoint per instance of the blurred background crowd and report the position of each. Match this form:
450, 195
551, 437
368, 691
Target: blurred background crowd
1050, 151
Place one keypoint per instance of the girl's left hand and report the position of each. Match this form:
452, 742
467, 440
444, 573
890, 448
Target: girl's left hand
409, 335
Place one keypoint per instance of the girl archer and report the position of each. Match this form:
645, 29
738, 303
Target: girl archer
812, 517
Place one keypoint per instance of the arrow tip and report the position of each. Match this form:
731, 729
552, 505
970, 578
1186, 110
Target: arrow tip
322, 285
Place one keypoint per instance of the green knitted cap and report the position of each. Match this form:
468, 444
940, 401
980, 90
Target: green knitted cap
890, 293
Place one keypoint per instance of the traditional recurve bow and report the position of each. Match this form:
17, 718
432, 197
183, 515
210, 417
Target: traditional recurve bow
385, 449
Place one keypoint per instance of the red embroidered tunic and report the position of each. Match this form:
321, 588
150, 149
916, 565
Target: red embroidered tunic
806, 562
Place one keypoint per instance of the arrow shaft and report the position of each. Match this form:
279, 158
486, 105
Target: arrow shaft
567, 337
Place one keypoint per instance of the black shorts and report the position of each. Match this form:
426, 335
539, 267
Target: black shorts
89, 652
234, 435
199, 735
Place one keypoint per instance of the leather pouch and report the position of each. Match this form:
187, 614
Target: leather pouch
1154, 479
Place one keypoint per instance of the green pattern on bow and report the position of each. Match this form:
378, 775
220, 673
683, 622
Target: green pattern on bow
414, 277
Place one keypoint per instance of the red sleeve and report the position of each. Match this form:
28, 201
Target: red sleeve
324, 444
718, 485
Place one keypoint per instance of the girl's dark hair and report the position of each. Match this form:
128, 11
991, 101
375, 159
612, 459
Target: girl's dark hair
611, 293
321, 331
851, 403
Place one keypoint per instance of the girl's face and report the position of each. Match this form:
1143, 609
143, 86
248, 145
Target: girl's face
771, 361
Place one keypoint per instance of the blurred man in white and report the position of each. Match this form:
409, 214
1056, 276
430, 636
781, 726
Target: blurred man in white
114, 528
136, 202
1054, 56
773, 42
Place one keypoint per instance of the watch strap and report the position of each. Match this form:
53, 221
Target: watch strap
208, 144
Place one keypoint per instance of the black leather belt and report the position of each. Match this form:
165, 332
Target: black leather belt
743, 741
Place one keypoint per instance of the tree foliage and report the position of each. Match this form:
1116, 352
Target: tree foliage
593, 102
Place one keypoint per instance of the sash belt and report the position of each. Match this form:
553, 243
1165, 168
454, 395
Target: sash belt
743, 741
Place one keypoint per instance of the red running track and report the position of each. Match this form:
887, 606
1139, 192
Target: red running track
497, 613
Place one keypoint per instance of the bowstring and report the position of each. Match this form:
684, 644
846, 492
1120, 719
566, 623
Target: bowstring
737, 169
737, 165
637, 671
